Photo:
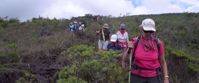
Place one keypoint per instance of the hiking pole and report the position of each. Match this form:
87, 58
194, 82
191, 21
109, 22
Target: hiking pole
130, 61
129, 49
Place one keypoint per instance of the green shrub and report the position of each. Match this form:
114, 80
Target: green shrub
71, 80
93, 66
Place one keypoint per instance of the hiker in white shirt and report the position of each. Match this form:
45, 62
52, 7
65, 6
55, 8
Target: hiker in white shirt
122, 35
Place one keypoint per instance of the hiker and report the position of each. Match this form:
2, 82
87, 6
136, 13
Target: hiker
71, 27
122, 35
147, 58
104, 37
81, 27
76, 25
113, 45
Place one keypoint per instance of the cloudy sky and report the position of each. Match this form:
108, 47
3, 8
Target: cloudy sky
26, 9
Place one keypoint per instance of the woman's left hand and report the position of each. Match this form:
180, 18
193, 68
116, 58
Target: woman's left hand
166, 80
129, 44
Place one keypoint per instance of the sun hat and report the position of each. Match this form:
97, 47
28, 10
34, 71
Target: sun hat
148, 24
106, 25
122, 26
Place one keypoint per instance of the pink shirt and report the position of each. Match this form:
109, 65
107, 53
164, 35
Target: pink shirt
122, 38
147, 59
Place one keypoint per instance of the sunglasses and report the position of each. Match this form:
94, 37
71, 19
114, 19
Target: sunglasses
148, 31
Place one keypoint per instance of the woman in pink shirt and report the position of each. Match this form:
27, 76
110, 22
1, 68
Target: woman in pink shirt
122, 36
148, 56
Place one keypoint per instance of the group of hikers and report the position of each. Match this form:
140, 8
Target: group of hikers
145, 53
76, 26
118, 41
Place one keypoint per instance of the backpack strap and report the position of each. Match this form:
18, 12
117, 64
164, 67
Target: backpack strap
158, 45
158, 70
135, 47
103, 36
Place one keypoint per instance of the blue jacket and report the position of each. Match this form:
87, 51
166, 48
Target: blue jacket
114, 47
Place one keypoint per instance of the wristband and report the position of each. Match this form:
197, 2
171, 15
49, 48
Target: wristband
166, 76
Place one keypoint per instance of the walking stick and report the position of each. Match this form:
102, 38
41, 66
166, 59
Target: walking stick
130, 59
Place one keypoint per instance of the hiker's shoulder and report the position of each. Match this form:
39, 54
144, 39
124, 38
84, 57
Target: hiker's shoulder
126, 32
136, 38
159, 41
118, 32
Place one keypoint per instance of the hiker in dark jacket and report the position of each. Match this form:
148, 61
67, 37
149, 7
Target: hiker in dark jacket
104, 37
114, 45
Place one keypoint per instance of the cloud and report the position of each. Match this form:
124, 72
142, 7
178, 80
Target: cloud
64, 8
136, 2
22, 9
166, 6
191, 2
26, 9
193, 5
194, 8
140, 10
160, 6
68, 8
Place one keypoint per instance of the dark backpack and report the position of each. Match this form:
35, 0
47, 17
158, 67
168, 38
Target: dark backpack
135, 47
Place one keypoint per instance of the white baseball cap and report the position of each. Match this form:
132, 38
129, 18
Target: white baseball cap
148, 24
113, 38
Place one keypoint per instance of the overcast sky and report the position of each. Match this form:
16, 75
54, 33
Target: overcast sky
26, 9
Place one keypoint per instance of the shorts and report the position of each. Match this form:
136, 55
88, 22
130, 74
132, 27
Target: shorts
139, 79
102, 45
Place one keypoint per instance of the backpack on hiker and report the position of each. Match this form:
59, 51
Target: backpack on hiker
132, 58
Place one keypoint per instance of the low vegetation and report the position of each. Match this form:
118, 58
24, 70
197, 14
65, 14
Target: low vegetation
43, 50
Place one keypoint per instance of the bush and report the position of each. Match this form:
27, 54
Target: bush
182, 66
71, 80
93, 66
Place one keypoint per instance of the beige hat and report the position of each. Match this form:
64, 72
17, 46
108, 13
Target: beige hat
148, 24
106, 25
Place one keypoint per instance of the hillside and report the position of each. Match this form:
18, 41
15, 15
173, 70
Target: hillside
43, 50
